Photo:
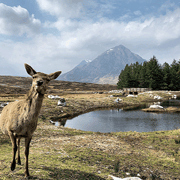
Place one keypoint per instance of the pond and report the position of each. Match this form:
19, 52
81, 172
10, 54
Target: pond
119, 120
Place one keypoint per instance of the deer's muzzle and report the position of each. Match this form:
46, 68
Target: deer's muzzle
39, 83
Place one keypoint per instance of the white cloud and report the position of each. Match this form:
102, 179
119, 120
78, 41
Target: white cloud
77, 9
79, 39
17, 21
61, 8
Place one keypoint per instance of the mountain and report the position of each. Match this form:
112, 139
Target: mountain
82, 63
105, 69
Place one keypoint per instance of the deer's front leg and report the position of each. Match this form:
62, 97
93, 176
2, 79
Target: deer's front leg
19, 159
14, 149
27, 143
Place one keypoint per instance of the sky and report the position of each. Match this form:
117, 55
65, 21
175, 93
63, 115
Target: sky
53, 35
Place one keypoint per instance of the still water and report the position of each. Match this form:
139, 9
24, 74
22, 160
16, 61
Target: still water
119, 120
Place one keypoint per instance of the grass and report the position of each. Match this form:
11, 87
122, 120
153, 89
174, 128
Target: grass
64, 153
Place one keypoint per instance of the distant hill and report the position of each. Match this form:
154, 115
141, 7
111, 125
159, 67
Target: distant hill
105, 69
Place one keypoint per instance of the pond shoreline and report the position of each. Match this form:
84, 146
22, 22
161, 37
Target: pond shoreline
167, 110
126, 106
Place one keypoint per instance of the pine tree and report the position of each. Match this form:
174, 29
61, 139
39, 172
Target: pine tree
125, 78
175, 75
166, 76
154, 74
143, 76
136, 68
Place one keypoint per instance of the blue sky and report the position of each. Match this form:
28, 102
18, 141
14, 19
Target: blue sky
56, 35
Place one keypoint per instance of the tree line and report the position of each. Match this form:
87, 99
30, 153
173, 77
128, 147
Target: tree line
150, 74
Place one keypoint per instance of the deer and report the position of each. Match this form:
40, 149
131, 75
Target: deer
19, 118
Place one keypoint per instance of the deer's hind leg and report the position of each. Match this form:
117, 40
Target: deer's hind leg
19, 159
14, 149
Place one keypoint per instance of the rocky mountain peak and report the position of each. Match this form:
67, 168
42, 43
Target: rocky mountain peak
105, 68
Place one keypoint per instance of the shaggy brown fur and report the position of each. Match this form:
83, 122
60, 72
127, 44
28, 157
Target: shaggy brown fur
19, 119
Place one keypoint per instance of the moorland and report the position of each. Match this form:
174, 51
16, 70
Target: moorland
65, 153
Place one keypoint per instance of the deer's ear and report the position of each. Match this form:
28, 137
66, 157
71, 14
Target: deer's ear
30, 70
54, 75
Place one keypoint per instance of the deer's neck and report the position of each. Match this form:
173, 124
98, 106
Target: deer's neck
34, 100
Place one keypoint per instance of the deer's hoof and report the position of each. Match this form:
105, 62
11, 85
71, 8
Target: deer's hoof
19, 161
13, 165
26, 174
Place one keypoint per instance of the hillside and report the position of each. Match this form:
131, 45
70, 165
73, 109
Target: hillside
21, 85
105, 69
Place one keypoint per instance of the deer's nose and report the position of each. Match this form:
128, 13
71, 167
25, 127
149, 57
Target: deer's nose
39, 83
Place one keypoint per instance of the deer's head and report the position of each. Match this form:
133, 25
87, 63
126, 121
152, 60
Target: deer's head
40, 80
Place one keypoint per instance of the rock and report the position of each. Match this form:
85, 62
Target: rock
174, 96
116, 91
53, 97
131, 95
128, 178
118, 100
157, 97
52, 122
61, 102
156, 106
4, 104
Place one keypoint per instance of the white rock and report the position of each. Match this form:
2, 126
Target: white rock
174, 96
128, 178
53, 97
157, 97
118, 100
131, 95
50, 96
115, 178
115, 91
57, 97
4, 104
52, 122
61, 102
132, 178
156, 106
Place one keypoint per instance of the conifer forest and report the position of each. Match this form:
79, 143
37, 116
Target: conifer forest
150, 74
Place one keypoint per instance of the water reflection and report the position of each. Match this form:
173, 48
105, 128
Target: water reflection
119, 120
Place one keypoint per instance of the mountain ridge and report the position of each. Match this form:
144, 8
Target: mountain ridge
104, 69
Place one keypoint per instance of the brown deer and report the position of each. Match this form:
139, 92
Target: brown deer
19, 119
